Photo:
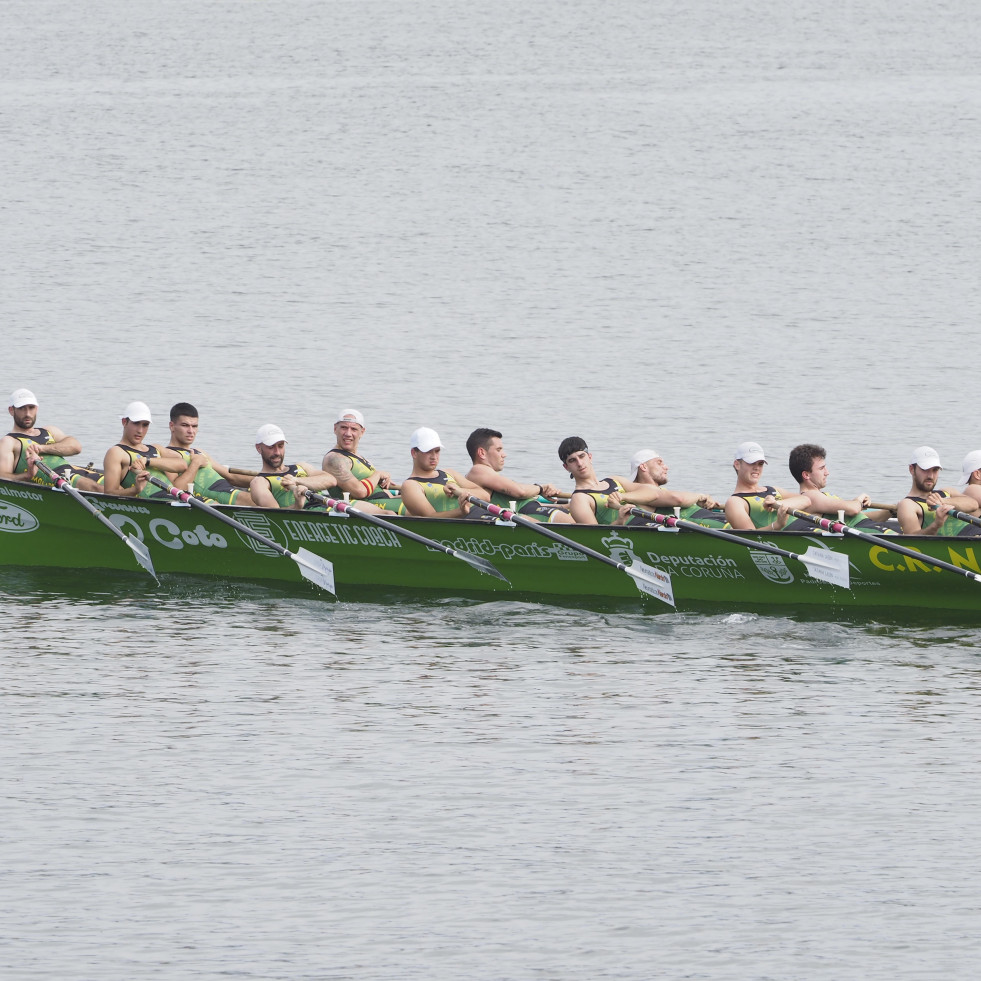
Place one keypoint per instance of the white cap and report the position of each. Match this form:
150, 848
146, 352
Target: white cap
137, 412
270, 434
750, 452
641, 456
926, 458
425, 439
23, 396
350, 415
971, 463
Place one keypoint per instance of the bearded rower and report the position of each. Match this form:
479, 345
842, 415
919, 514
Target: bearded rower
27, 442
924, 500
281, 485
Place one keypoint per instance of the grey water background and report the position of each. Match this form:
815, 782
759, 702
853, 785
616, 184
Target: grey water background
666, 225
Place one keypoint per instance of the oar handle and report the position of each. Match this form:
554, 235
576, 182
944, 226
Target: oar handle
964, 516
243, 472
873, 506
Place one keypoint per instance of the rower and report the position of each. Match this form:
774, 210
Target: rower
589, 504
353, 473
281, 485
649, 473
430, 492
203, 476
535, 501
751, 504
971, 475
809, 467
127, 465
26, 442
924, 499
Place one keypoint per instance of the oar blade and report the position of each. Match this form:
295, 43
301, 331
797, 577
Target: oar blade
654, 582
315, 568
828, 566
142, 554
479, 563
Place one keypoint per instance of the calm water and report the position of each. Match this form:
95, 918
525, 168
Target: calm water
677, 226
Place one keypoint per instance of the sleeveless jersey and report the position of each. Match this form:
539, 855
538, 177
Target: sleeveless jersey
757, 513
952, 527
149, 491
361, 469
285, 497
435, 490
208, 483
604, 515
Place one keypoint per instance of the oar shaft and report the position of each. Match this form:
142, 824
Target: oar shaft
508, 515
883, 541
669, 521
65, 486
185, 498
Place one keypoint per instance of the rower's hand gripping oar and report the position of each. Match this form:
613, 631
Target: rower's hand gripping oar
654, 582
318, 570
140, 550
885, 542
971, 519
342, 507
821, 563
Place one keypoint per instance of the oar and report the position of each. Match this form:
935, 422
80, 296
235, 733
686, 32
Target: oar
964, 516
884, 541
140, 550
318, 570
654, 582
821, 563
342, 507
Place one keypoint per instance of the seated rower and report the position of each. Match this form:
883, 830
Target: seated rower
924, 500
433, 493
281, 485
353, 473
755, 505
26, 442
971, 475
203, 476
535, 501
590, 503
649, 473
808, 465
127, 465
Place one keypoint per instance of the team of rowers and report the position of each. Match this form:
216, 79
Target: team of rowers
134, 467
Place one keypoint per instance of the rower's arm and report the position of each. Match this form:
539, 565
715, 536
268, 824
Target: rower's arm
342, 470
819, 503
62, 446
582, 507
737, 514
910, 517
316, 480
9, 452
184, 480
495, 482
115, 466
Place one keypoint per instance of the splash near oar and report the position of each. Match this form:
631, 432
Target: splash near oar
140, 550
884, 541
318, 570
821, 563
653, 582
342, 507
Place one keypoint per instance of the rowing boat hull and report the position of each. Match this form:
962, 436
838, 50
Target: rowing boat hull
42, 527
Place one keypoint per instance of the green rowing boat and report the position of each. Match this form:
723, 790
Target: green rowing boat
45, 527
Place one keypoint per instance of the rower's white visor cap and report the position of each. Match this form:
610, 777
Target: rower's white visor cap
641, 456
137, 412
350, 415
926, 458
270, 434
750, 453
425, 439
971, 463
23, 396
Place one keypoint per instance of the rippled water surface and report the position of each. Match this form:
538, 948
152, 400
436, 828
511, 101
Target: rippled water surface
677, 226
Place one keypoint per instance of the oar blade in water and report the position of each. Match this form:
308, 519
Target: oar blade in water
480, 564
318, 570
829, 566
142, 554
654, 582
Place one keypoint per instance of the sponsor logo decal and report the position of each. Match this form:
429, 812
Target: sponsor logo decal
261, 524
15, 519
